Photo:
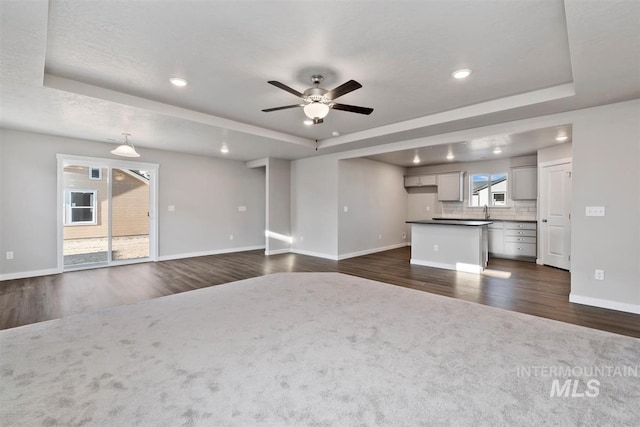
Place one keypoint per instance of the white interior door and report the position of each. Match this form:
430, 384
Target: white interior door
555, 215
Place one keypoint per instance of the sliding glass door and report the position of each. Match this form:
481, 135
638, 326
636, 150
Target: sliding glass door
129, 214
107, 211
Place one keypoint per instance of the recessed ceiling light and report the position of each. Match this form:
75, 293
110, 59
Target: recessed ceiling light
461, 74
224, 149
450, 156
177, 81
308, 122
416, 159
335, 133
497, 150
561, 138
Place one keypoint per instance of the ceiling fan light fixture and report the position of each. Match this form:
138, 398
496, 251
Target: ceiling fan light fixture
126, 149
316, 110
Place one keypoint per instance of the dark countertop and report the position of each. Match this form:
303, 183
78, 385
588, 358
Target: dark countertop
490, 219
452, 222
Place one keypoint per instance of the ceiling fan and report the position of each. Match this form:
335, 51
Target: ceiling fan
318, 101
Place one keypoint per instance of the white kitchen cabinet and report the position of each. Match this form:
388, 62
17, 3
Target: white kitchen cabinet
496, 238
524, 183
419, 180
512, 239
450, 187
412, 181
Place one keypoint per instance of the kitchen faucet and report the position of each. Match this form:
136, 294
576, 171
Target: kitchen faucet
485, 212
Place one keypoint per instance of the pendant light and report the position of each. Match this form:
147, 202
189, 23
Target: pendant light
126, 149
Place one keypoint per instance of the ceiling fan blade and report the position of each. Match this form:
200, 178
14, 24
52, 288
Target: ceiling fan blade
352, 108
343, 89
285, 87
268, 110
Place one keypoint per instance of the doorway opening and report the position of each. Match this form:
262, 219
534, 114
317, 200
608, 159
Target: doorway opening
106, 212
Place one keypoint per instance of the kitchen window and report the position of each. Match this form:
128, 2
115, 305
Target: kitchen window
82, 207
488, 189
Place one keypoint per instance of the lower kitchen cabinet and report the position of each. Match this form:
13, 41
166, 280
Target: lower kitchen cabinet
513, 240
496, 238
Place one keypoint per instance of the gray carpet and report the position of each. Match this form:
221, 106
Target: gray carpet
311, 349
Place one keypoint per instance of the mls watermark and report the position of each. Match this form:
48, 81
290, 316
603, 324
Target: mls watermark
577, 381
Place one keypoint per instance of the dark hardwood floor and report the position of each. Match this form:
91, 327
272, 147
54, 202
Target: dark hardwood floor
532, 289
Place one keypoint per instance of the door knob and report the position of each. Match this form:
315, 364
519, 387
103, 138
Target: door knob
544, 220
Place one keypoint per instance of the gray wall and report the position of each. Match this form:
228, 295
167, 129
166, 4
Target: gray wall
314, 206
606, 172
278, 204
205, 191
376, 200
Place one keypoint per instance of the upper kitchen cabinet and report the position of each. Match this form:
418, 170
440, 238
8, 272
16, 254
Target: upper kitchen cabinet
419, 180
524, 183
450, 187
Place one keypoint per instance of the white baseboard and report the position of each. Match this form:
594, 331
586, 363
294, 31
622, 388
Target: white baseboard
372, 251
26, 274
315, 254
604, 303
278, 251
467, 268
206, 253
433, 264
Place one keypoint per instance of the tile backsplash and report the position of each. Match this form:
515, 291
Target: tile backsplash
525, 210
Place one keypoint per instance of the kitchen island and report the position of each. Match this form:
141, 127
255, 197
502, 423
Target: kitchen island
453, 245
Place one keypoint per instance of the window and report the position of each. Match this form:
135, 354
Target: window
82, 207
488, 189
95, 173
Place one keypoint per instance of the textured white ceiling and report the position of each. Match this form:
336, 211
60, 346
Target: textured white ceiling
92, 70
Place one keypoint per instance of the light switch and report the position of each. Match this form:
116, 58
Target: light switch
172, 208
346, 209
594, 211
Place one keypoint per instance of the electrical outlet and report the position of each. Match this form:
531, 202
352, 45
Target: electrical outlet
599, 275
171, 208
436, 248
302, 238
242, 208
404, 235
9, 254
380, 236
428, 208
230, 236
